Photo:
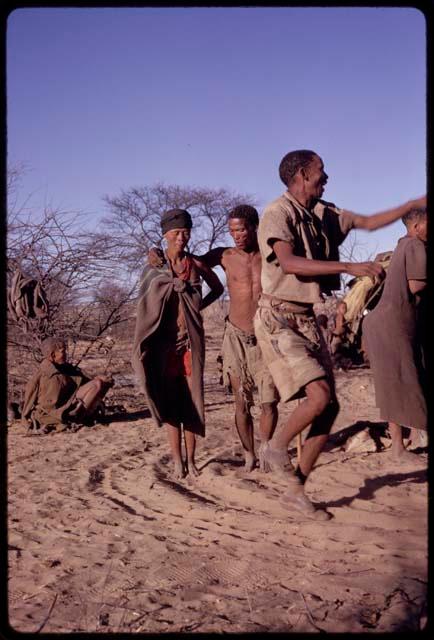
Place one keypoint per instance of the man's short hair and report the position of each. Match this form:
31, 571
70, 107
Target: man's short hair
245, 212
414, 215
292, 162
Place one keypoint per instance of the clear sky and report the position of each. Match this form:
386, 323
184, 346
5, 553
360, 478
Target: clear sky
101, 100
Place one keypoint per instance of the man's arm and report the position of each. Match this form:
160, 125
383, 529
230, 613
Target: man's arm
382, 219
212, 280
212, 258
298, 266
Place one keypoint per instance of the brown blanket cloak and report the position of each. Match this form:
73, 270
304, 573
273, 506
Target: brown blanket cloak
156, 287
393, 341
51, 393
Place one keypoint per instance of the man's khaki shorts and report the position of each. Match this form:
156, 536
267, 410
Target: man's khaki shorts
292, 346
242, 359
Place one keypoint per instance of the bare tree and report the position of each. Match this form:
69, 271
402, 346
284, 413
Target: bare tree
133, 221
55, 250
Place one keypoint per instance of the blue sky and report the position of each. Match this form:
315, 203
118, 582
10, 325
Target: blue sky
101, 100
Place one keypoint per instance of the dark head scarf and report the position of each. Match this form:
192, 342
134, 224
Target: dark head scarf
175, 219
50, 345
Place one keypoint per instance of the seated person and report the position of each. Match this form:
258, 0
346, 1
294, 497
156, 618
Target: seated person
59, 394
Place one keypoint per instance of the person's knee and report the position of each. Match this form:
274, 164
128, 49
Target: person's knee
269, 409
318, 394
97, 386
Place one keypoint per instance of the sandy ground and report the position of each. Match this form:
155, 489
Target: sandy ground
102, 539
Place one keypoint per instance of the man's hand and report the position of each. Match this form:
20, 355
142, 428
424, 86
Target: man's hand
156, 258
373, 270
418, 203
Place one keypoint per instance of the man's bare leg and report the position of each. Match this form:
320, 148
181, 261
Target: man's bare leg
316, 439
174, 438
313, 406
313, 410
244, 424
267, 427
90, 393
267, 421
190, 446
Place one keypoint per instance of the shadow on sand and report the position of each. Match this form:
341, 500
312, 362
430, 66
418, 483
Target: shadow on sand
376, 430
371, 485
125, 417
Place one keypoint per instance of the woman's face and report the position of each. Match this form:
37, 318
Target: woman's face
177, 238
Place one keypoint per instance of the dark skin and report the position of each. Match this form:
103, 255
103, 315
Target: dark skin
242, 265
319, 409
177, 240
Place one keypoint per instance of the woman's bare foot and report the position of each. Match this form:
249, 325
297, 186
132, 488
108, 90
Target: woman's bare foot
250, 461
178, 470
192, 469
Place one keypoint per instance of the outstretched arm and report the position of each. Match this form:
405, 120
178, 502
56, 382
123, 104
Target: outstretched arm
216, 287
299, 266
212, 258
382, 219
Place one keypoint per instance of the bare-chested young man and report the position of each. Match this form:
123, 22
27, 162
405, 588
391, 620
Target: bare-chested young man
169, 347
243, 366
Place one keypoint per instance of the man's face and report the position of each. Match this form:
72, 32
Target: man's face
59, 355
315, 178
177, 238
243, 234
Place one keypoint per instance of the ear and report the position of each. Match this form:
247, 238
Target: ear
304, 173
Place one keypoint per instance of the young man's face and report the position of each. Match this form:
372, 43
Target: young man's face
177, 238
59, 355
243, 234
316, 178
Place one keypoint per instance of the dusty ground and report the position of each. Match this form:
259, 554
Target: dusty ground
102, 539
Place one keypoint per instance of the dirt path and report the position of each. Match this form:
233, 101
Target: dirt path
101, 537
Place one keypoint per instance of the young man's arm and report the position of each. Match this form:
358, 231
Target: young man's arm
382, 219
299, 266
213, 258
212, 280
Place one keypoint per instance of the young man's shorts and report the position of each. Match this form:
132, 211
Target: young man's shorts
292, 346
242, 359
